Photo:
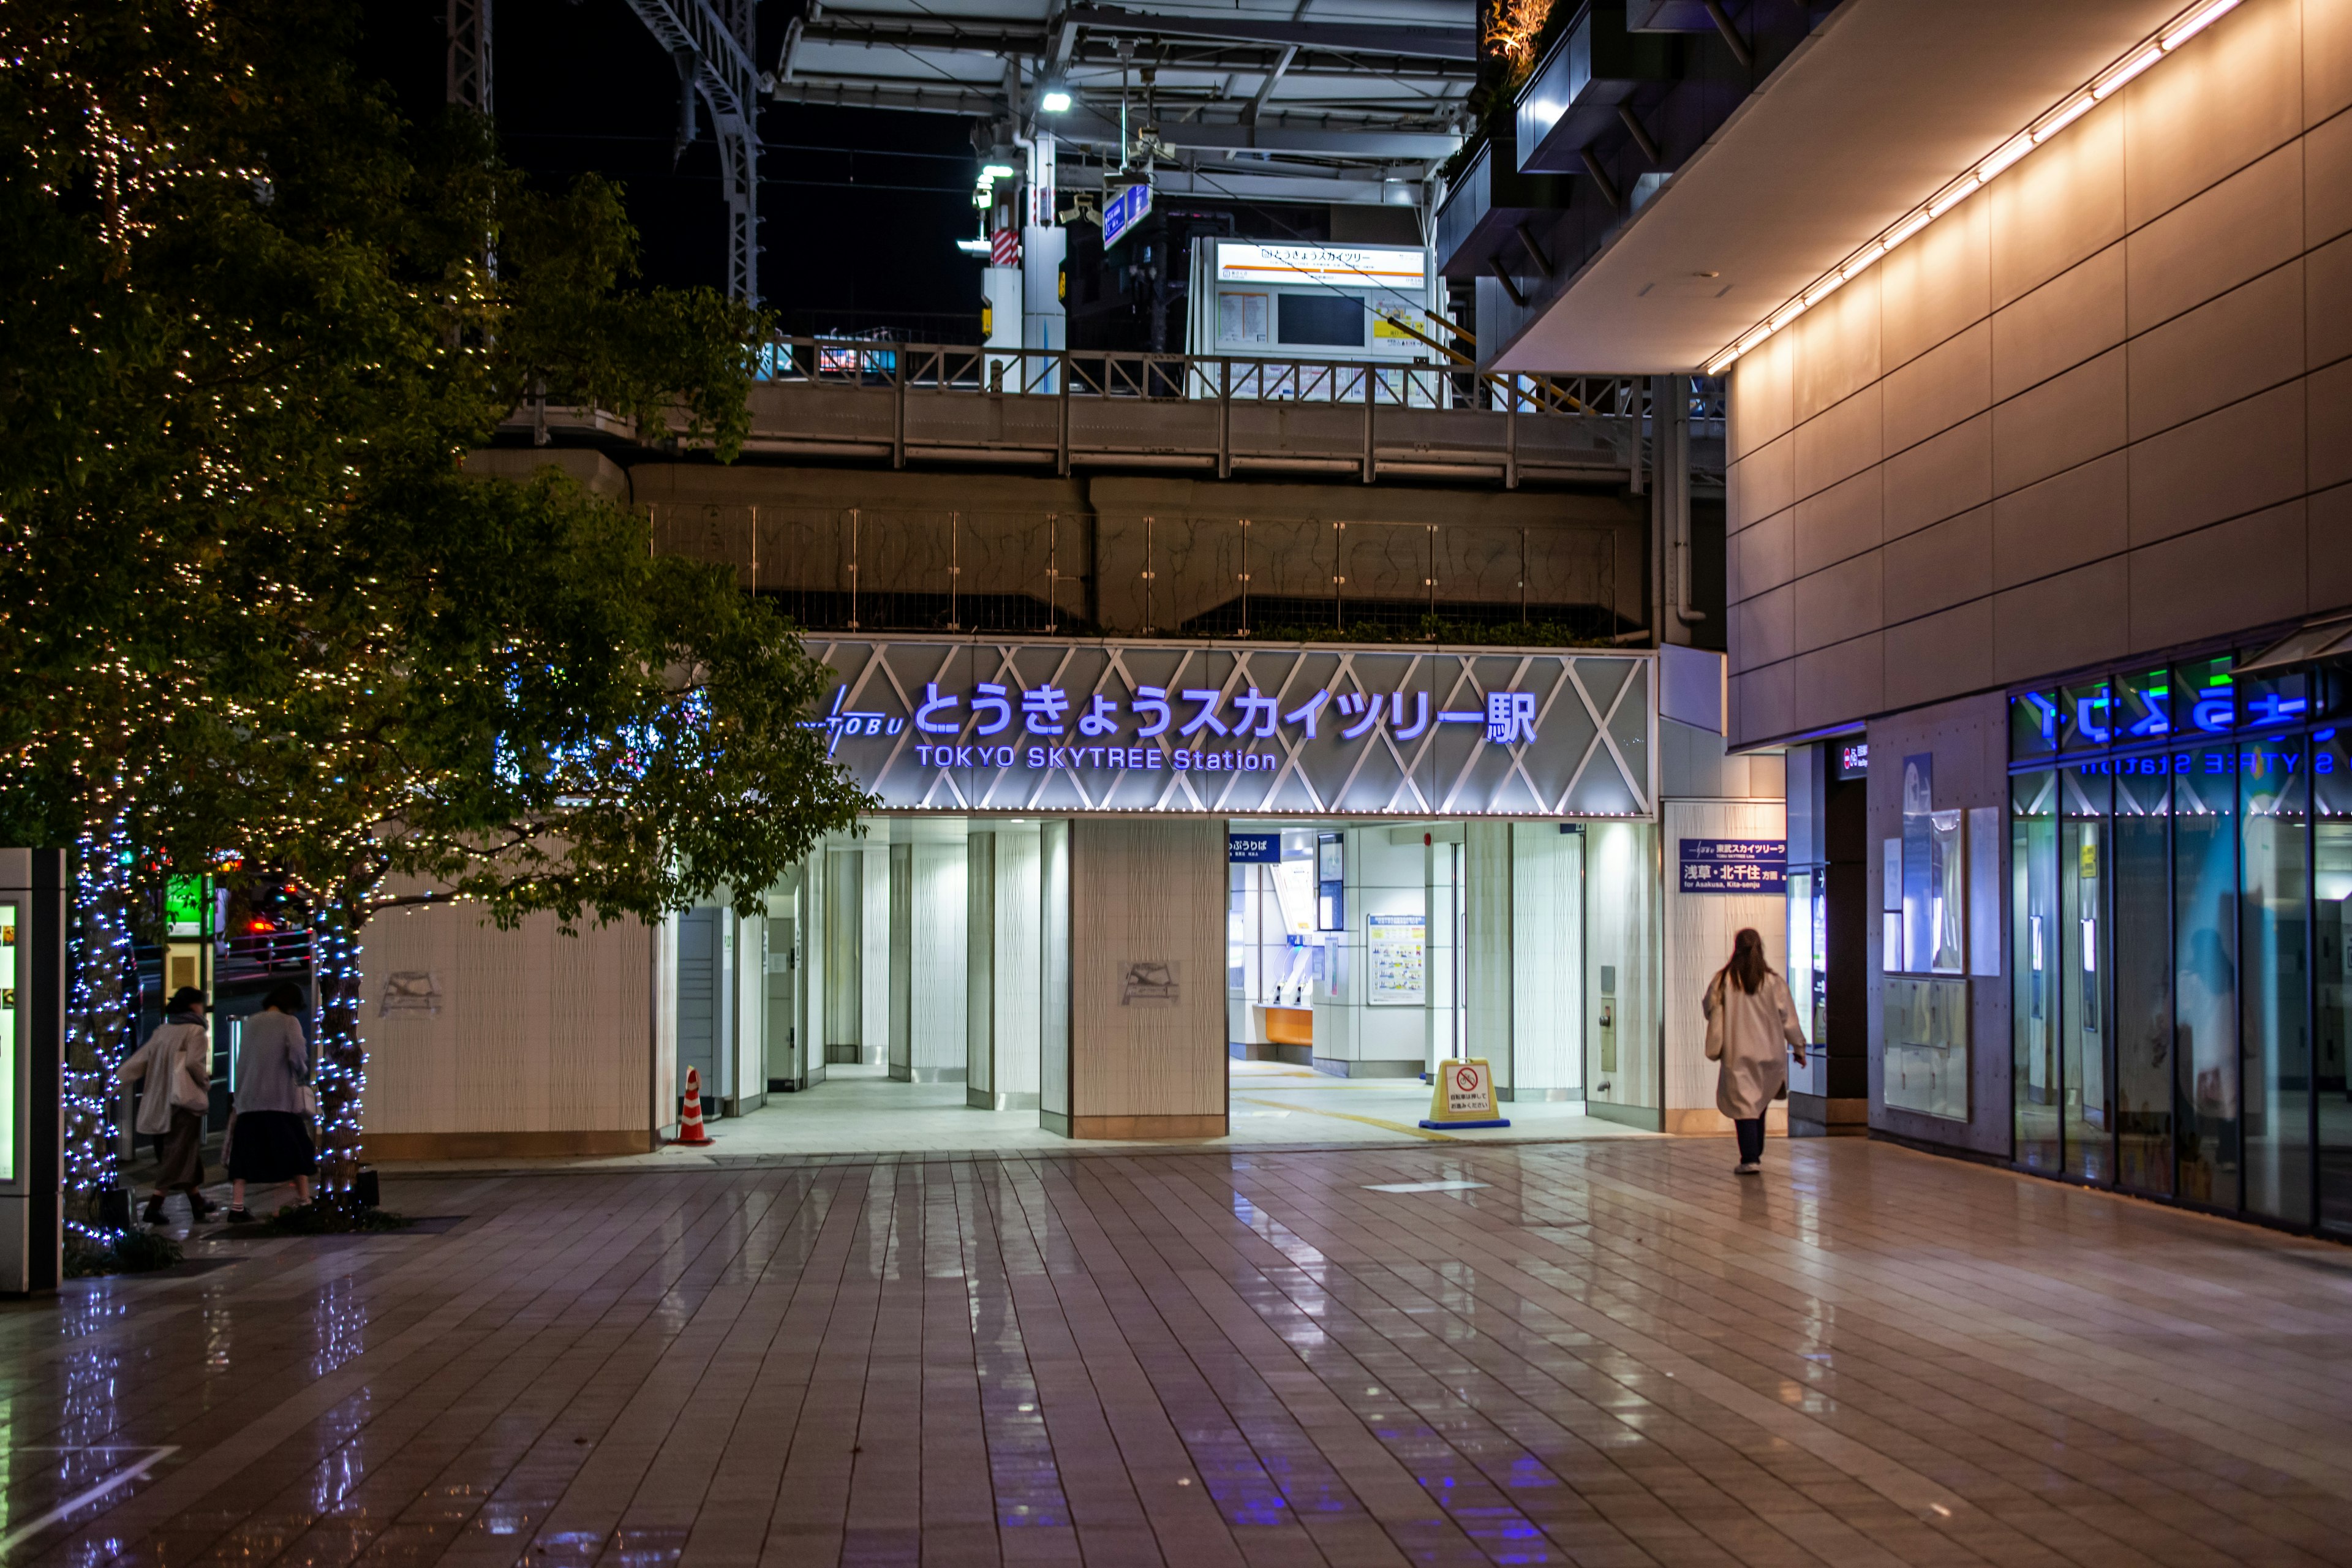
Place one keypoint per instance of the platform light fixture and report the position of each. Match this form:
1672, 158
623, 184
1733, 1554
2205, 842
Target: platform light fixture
2073, 108
1054, 102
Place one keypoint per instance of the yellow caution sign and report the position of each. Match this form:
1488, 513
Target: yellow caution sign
1462, 1094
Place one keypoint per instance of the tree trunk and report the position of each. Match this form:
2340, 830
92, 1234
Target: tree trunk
102, 1017
340, 1074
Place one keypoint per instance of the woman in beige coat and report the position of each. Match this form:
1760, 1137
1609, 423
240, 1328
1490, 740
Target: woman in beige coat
1748, 1014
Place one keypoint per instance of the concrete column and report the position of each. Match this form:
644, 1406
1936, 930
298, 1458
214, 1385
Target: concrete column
901, 981
980, 970
1053, 1065
937, 963
1146, 1007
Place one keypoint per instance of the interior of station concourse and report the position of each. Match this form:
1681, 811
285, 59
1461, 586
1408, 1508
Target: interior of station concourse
961, 982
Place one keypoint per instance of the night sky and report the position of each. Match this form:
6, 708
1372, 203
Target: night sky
859, 211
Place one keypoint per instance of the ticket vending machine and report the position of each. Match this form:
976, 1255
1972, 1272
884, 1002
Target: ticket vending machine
32, 1052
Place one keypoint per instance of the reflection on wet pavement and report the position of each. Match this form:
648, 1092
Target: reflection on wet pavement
1595, 1353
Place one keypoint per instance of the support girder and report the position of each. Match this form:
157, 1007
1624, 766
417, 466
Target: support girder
720, 49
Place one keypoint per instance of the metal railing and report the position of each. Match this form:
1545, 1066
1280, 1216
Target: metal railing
1100, 408
1110, 373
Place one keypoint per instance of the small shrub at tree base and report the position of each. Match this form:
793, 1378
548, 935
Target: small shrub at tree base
327, 1217
131, 1252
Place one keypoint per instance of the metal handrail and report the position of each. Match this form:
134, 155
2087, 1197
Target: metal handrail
1127, 374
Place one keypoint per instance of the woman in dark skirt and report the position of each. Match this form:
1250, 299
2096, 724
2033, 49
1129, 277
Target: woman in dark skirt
270, 1135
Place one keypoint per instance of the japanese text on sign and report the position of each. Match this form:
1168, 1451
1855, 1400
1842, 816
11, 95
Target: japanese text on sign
1734, 865
1190, 713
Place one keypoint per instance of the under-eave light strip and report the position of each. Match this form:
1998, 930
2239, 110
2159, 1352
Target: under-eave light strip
2107, 83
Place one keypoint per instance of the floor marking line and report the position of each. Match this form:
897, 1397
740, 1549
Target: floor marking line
1351, 1116
31, 1527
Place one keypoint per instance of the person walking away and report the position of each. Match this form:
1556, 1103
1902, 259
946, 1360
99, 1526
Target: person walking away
269, 1130
1748, 1014
175, 1067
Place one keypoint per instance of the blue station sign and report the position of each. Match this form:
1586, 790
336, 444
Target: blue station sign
1734, 865
1240, 730
1253, 848
1130, 206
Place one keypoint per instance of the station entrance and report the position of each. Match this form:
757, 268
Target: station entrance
1080, 977
1105, 879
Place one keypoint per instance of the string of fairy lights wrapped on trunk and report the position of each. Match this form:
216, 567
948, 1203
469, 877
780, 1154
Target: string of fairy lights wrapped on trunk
102, 1017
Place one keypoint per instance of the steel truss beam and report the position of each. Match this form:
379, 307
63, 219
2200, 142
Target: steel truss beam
718, 48
469, 55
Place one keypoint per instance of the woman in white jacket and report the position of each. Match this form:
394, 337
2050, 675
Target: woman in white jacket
1750, 1014
175, 1064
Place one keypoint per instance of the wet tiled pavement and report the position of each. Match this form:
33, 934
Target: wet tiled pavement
1609, 1352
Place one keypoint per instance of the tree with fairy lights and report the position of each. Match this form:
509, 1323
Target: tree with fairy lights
251, 324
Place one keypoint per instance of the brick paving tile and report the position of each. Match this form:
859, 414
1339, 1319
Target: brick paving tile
1611, 1355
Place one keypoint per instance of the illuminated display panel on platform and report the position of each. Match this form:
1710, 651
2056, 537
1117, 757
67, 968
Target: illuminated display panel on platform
1226, 729
12, 975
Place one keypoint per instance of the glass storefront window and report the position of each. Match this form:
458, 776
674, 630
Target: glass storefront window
2084, 936
2141, 994
2033, 725
2205, 968
2331, 787
2034, 968
2273, 789
2181, 936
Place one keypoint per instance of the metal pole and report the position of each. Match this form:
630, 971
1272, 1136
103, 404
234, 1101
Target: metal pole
1245, 577
898, 409
1224, 419
852, 569
955, 566
1371, 384
1147, 576
1062, 411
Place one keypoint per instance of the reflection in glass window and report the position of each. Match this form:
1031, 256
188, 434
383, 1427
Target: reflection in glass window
2085, 718
2033, 949
2273, 787
2331, 787
2205, 973
2084, 963
2033, 724
2208, 699
2141, 995
2143, 706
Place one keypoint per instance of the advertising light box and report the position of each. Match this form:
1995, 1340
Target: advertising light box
1241, 730
1335, 266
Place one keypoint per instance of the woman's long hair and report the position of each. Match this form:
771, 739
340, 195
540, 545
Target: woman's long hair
1748, 966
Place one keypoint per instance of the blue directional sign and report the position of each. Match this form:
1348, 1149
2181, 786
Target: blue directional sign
1734, 865
1130, 206
1253, 848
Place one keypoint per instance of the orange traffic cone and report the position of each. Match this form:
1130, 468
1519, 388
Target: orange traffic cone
690, 1125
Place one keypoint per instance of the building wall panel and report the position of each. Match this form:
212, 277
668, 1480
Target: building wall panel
2126, 343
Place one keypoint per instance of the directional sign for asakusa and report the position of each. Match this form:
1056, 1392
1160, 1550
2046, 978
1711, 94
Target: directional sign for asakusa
940, 725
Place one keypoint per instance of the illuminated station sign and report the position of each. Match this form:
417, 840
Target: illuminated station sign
959, 725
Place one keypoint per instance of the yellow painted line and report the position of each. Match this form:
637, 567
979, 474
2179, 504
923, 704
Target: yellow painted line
1350, 1116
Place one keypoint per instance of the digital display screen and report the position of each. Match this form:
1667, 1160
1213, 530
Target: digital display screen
12, 975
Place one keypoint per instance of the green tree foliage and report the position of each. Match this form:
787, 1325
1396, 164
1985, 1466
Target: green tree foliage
251, 324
